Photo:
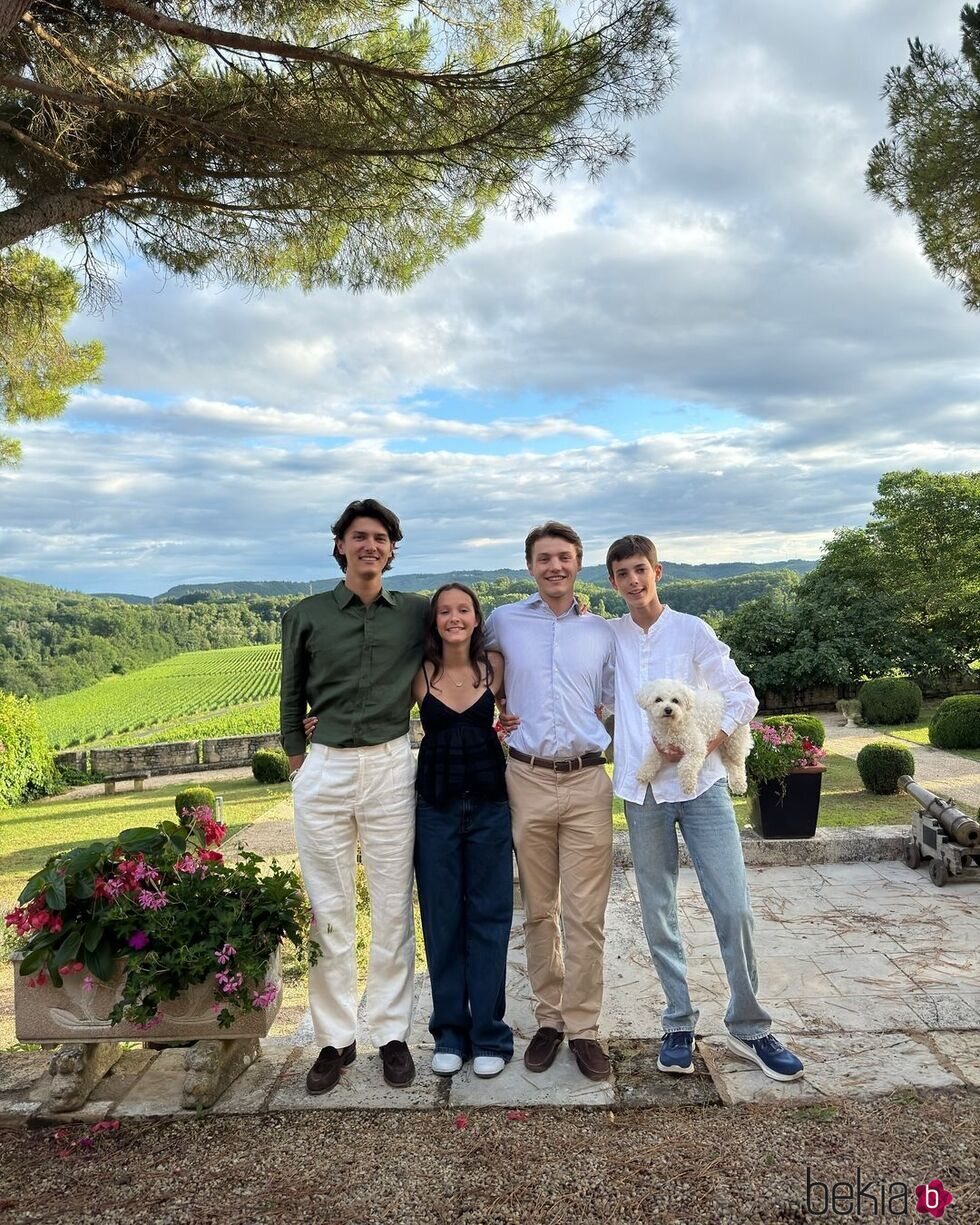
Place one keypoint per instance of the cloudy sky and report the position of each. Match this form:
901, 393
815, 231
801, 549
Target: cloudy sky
723, 344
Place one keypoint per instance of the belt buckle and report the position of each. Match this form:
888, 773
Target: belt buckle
556, 766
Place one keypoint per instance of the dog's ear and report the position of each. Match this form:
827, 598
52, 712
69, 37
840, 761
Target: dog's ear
647, 695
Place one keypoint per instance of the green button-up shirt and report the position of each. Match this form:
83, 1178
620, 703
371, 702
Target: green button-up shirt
352, 665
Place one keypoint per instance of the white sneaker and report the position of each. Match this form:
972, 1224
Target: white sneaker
488, 1065
446, 1063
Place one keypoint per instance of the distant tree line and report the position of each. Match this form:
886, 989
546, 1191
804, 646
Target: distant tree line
55, 641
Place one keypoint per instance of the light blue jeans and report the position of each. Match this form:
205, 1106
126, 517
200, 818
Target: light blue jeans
707, 824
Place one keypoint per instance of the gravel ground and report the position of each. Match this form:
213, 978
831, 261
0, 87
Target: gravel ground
695, 1166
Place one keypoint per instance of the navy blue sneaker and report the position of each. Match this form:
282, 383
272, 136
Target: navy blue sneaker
769, 1053
677, 1053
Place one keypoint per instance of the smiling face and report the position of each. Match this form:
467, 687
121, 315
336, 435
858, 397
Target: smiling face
554, 566
366, 547
456, 617
635, 578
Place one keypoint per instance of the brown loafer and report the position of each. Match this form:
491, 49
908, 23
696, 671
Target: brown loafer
542, 1049
397, 1064
326, 1071
592, 1060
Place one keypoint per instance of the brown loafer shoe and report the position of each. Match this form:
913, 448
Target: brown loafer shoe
397, 1064
592, 1060
542, 1049
325, 1073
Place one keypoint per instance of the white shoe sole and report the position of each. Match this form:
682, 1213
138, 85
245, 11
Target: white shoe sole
447, 1071
489, 1073
747, 1053
675, 1070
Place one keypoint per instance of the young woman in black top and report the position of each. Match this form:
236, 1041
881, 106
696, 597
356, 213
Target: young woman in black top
463, 865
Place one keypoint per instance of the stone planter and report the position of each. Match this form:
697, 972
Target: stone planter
787, 807
71, 1014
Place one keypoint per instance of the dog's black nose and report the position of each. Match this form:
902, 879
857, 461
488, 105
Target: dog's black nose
668, 711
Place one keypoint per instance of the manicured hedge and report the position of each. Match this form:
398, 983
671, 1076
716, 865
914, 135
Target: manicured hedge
956, 723
270, 766
194, 796
890, 699
881, 765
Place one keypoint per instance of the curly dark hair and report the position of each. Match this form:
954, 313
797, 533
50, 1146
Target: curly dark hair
369, 508
478, 650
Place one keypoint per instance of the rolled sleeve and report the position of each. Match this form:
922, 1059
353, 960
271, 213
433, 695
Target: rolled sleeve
715, 663
292, 692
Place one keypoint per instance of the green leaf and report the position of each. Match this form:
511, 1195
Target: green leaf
100, 960
33, 887
34, 960
141, 838
69, 949
55, 896
92, 936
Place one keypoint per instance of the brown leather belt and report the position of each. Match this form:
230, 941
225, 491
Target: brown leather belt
562, 766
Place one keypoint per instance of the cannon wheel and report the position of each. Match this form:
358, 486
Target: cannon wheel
938, 873
913, 856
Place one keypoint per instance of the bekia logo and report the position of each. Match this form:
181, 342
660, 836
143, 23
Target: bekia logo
932, 1198
874, 1199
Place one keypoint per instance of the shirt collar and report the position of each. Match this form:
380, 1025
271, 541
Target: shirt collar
537, 600
344, 595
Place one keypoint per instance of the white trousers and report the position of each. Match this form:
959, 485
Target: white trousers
342, 797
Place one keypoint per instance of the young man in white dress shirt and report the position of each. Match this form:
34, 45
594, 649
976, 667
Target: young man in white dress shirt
653, 642
559, 671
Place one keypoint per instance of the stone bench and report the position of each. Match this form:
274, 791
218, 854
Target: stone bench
138, 777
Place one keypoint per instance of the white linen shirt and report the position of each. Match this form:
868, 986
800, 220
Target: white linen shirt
556, 671
677, 647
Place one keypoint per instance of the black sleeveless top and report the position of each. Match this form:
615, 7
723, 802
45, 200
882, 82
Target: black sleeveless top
460, 753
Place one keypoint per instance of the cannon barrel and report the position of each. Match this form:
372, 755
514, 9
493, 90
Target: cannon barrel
961, 828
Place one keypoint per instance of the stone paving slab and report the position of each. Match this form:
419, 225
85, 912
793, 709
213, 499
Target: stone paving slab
361, 1087
868, 1066
561, 1085
158, 1091
961, 1054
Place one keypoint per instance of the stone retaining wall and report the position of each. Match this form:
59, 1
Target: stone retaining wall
235, 750
72, 759
157, 758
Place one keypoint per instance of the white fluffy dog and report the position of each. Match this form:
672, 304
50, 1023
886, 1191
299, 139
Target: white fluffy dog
685, 718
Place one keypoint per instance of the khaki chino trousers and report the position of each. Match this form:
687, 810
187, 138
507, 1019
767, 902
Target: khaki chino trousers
562, 827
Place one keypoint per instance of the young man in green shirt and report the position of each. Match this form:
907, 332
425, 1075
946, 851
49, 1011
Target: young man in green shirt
348, 657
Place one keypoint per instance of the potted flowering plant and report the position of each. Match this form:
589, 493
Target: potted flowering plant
785, 771
154, 929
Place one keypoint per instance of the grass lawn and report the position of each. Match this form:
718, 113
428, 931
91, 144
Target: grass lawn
918, 732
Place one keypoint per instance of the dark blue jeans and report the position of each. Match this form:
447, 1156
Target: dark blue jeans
465, 881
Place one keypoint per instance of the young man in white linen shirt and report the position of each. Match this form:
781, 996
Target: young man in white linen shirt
654, 642
559, 670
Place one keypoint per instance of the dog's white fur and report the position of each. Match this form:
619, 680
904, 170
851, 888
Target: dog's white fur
685, 718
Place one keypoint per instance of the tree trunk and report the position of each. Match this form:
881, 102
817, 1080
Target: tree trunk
11, 12
24, 220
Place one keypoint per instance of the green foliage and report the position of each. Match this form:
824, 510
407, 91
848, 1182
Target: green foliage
881, 765
193, 796
26, 760
360, 154
162, 898
198, 681
270, 766
890, 699
956, 724
38, 367
808, 726
930, 165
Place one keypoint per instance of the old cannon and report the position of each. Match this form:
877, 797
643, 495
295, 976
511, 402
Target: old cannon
948, 838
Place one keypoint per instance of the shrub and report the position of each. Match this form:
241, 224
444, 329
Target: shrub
193, 796
26, 760
881, 765
808, 726
890, 699
270, 766
956, 724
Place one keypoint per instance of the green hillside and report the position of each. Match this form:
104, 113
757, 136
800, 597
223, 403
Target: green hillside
167, 695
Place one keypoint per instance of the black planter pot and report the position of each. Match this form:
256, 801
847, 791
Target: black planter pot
790, 812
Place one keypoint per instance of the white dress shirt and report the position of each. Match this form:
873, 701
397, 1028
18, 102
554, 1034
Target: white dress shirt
557, 670
677, 647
